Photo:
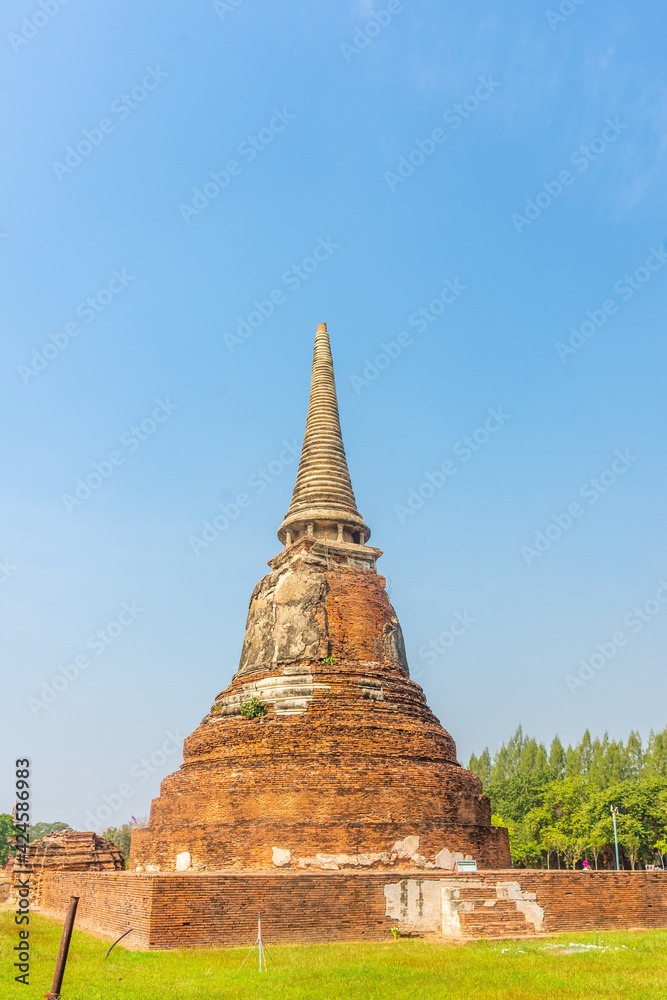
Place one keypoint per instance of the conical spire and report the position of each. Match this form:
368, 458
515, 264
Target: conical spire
323, 495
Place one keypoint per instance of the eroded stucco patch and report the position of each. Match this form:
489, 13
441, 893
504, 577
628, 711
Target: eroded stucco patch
436, 905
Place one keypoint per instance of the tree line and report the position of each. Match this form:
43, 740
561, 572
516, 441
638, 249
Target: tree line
557, 803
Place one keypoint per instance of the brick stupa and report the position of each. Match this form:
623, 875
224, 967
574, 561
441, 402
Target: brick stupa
348, 766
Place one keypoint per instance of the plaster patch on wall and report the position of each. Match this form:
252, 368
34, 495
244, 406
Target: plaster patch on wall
446, 860
372, 689
450, 901
335, 861
416, 905
434, 906
406, 848
525, 902
289, 693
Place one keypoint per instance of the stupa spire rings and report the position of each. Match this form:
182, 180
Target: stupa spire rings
323, 504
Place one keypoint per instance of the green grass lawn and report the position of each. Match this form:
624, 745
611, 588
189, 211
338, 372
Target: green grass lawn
627, 965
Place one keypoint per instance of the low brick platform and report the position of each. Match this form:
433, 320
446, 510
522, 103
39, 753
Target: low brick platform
204, 909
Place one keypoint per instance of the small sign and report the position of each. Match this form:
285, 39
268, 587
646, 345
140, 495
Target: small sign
463, 867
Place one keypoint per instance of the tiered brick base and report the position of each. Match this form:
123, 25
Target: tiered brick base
348, 758
220, 909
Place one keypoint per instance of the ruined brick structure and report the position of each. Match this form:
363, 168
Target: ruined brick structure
348, 767
65, 851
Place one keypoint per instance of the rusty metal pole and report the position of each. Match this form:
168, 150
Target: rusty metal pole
64, 948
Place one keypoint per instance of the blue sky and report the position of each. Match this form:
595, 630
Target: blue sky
366, 154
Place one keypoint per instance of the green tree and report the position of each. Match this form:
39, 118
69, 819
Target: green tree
553, 841
655, 759
39, 830
121, 837
599, 839
481, 766
556, 759
557, 804
642, 815
585, 751
661, 847
614, 763
7, 834
634, 756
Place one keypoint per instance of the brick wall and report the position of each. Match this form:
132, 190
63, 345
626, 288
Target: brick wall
220, 909
363, 765
109, 902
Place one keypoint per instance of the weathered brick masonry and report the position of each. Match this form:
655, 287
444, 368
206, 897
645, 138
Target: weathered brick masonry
348, 785
365, 764
220, 909
66, 851
348, 760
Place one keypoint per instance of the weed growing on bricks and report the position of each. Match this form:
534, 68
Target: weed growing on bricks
625, 288
464, 449
121, 108
98, 642
635, 621
591, 491
253, 709
131, 439
88, 310
581, 158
